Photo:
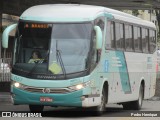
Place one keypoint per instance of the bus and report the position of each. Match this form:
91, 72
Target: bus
91, 56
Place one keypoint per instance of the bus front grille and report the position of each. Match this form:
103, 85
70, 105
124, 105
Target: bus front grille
48, 90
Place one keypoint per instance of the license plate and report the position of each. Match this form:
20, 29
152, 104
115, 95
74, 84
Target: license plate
46, 99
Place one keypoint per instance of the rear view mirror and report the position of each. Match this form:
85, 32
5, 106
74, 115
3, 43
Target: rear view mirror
5, 36
98, 37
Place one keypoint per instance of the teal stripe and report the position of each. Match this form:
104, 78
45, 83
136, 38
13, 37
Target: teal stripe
123, 72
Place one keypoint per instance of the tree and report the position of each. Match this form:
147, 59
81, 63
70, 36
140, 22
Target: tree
135, 12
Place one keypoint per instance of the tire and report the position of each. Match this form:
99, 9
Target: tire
98, 110
138, 103
135, 105
36, 108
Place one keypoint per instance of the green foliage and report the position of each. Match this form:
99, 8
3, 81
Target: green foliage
135, 12
158, 20
158, 38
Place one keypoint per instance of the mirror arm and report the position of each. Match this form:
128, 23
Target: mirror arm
5, 36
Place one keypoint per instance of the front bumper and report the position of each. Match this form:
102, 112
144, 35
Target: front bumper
20, 96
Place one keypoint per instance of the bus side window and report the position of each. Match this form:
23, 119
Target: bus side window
152, 39
147, 40
119, 34
128, 38
137, 39
110, 37
144, 40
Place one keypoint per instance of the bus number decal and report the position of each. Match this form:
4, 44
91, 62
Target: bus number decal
106, 65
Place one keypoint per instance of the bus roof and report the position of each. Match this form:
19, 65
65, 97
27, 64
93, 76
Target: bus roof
77, 13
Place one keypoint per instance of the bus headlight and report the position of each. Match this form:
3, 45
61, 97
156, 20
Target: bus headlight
80, 86
17, 85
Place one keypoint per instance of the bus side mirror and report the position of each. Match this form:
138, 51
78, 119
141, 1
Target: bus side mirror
98, 37
5, 35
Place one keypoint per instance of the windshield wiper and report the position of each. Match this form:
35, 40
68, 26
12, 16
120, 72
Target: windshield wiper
58, 55
18, 42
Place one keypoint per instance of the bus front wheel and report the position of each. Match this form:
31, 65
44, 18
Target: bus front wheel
101, 108
36, 108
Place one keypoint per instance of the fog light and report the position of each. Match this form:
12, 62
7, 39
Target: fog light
17, 84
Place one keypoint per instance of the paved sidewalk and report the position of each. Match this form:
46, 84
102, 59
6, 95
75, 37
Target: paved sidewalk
155, 98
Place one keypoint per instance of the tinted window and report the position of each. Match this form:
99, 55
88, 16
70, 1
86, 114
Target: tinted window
152, 40
137, 39
110, 35
145, 40
119, 36
128, 37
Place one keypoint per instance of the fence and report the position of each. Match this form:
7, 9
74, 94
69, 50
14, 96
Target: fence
5, 71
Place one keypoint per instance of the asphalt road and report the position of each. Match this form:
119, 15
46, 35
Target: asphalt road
113, 112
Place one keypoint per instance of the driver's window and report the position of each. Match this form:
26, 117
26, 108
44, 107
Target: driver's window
100, 22
94, 51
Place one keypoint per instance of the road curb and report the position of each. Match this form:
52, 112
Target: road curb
155, 98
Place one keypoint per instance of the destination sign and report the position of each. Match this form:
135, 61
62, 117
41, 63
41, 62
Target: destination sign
36, 25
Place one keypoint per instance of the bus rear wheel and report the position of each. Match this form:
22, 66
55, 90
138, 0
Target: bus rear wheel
36, 108
135, 105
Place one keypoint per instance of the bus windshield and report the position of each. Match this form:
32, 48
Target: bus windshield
63, 48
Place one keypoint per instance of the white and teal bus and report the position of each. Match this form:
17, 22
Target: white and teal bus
90, 56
